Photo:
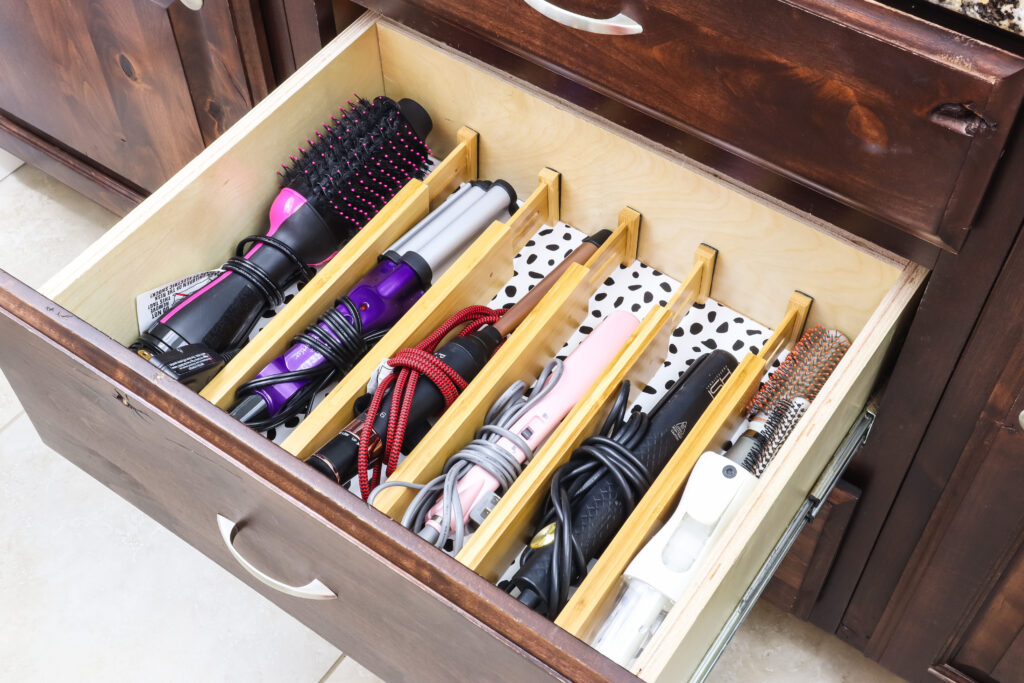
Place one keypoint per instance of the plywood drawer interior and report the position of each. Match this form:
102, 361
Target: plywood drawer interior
764, 255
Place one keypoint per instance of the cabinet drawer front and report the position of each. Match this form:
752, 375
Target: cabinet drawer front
175, 467
874, 108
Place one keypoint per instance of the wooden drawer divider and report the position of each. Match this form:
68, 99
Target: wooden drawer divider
403, 211
493, 547
474, 277
522, 356
591, 601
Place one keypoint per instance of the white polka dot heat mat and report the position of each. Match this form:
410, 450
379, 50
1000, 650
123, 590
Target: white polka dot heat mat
638, 288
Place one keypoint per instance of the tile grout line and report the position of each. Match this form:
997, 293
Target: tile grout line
21, 412
333, 668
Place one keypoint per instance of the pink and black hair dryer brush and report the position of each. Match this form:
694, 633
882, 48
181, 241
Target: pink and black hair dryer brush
330, 191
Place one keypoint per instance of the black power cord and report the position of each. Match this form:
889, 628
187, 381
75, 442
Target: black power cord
259, 278
602, 483
342, 345
610, 452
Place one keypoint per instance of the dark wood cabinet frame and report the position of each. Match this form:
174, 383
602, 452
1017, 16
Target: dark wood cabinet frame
940, 391
233, 53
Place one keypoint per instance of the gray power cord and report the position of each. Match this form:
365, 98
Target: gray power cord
484, 451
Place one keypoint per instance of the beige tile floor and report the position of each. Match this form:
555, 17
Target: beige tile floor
93, 590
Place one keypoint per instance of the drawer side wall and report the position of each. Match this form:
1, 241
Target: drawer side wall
695, 621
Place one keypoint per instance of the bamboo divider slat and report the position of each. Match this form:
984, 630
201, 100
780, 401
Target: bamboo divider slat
343, 271
589, 604
522, 357
473, 279
621, 246
542, 205
460, 165
493, 547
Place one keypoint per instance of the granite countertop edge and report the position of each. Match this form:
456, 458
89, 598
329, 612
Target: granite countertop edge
1005, 14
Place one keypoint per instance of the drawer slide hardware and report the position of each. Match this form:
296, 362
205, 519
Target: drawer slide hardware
314, 590
619, 25
855, 438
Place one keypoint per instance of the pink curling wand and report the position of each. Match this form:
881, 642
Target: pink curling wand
514, 427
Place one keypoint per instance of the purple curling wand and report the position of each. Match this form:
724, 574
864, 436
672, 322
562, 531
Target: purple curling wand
330, 348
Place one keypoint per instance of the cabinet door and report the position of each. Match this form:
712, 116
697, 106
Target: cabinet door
104, 79
958, 613
993, 646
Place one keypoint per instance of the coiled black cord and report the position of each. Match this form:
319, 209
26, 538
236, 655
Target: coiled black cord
608, 452
342, 345
257, 276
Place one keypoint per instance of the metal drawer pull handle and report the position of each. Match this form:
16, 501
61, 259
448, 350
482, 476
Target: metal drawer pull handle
194, 5
619, 25
314, 590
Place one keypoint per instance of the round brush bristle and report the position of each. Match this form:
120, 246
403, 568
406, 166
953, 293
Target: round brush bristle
360, 160
777, 428
804, 370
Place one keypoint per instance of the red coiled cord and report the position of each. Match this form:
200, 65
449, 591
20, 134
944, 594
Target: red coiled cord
410, 365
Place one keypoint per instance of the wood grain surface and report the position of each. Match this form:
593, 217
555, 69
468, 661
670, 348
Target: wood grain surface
112, 97
842, 97
957, 601
911, 451
105, 79
182, 461
223, 61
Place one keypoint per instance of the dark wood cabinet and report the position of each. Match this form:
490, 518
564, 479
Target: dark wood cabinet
959, 607
895, 123
940, 390
135, 118
852, 99
114, 96
993, 647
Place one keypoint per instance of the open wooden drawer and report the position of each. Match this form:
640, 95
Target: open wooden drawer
394, 603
